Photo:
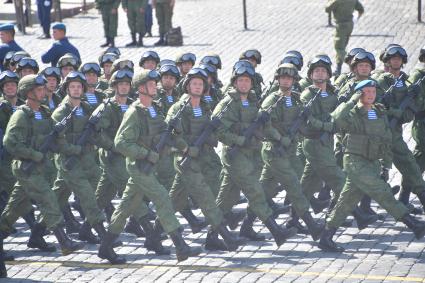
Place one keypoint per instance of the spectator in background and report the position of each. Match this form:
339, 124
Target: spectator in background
148, 18
44, 8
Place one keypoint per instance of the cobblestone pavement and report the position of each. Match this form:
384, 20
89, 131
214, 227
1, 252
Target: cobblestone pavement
386, 251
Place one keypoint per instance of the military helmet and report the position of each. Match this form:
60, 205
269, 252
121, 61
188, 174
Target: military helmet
7, 59
74, 76
17, 56
288, 70
8, 76
91, 67
169, 69
186, 57
122, 64
382, 54
52, 72
121, 76
350, 55
114, 50
241, 63
212, 59
296, 54
69, 59
196, 73
321, 60
30, 82
243, 70
251, 54
27, 62
395, 50
210, 70
144, 76
149, 55
107, 58
166, 62
292, 59
363, 56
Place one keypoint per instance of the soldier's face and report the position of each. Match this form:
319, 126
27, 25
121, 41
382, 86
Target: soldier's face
52, 83
319, 75
196, 86
5, 36
107, 68
91, 78
363, 69
168, 82
286, 82
39, 93
26, 71
123, 88
148, 88
368, 96
66, 70
185, 67
58, 34
395, 62
10, 89
75, 89
243, 84
149, 65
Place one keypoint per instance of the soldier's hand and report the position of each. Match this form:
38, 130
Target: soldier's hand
152, 157
141, 10
114, 11
37, 156
240, 140
193, 151
125, 10
356, 96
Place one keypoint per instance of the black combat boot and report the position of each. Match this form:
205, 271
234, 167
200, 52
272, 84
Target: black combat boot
326, 244
279, 234
278, 209
233, 219
133, 227
106, 43
325, 193
183, 250
161, 41
140, 42
133, 41
71, 224
153, 240
318, 205
365, 206
36, 240
195, 224
30, 218
231, 241
106, 250
314, 229
213, 243
404, 197
247, 231
86, 234
295, 222
112, 41
418, 227
101, 232
363, 220
67, 245
159, 230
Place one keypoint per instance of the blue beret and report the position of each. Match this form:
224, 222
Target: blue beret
365, 83
6, 27
59, 26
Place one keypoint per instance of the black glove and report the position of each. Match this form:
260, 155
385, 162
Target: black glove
385, 174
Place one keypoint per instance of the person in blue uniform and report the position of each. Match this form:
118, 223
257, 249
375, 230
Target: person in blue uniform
60, 47
7, 37
44, 7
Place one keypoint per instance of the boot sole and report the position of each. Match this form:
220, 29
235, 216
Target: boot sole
122, 261
70, 251
330, 250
